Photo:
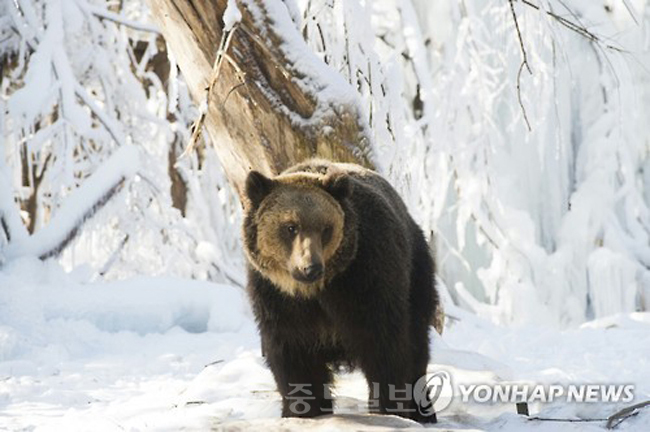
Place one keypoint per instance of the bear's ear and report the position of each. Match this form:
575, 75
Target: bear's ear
338, 185
257, 187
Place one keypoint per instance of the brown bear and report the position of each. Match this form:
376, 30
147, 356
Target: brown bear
339, 274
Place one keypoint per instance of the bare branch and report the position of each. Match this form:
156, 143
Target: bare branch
121, 20
521, 102
5, 228
612, 421
524, 62
631, 11
521, 40
231, 91
616, 418
566, 420
575, 27
111, 260
226, 37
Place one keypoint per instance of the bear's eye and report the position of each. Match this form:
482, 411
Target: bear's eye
327, 235
292, 229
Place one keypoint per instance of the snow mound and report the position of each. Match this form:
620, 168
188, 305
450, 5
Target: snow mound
40, 300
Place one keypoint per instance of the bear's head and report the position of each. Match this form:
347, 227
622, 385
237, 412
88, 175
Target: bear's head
295, 228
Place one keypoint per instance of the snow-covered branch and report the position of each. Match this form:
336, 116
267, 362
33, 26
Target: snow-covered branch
81, 79
120, 19
79, 206
11, 227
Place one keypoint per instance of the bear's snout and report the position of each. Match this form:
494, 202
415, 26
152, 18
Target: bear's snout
310, 273
307, 257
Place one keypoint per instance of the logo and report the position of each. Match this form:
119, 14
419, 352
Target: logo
433, 392
541, 393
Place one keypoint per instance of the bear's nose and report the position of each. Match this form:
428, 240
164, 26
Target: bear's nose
313, 271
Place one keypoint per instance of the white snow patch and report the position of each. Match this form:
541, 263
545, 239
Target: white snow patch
231, 16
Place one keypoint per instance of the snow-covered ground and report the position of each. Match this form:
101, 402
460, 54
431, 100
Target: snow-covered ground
533, 183
173, 354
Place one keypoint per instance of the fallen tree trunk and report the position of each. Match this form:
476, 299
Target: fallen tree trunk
275, 103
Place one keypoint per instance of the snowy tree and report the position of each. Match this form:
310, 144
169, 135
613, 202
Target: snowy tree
82, 80
514, 130
504, 123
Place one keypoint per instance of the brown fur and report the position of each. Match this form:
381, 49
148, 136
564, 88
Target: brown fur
301, 200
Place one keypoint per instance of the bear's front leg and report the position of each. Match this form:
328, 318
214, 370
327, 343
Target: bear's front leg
387, 370
303, 378
378, 336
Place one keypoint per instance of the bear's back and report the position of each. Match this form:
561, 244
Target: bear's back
372, 195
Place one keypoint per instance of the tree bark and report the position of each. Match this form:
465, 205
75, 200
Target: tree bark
269, 108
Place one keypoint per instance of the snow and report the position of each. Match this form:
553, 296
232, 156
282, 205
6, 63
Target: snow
334, 93
172, 354
73, 352
80, 204
9, 216
231, 16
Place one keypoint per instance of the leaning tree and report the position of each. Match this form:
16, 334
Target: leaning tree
267, 101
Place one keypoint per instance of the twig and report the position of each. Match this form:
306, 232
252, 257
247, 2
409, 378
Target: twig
612, 421
102, 116
521, 40
39, 177
524, 62
322, 41
119, 19
5, 228
240, 73
404, 54
521, 103
567, 420
578, 28
72, 233
111, 260
242, 78
79, 91
214, 363
232, 90
616, 418
631, 11
226, 37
